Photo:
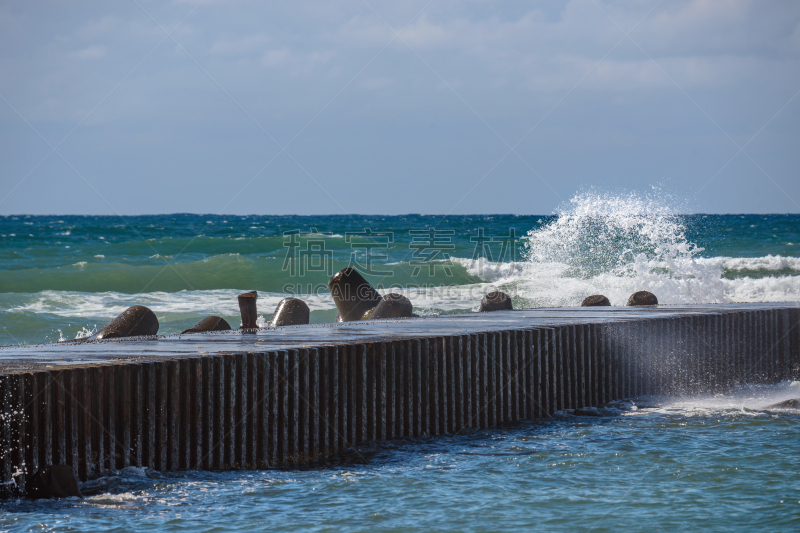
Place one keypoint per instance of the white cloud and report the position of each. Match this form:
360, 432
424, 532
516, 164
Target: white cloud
276, 58
296, 62
363, 31
243, 45
97, 28
524, 53
425, 34
703, 42
91, 52
512, 62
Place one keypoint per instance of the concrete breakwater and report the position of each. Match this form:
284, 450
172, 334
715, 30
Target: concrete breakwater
295, 395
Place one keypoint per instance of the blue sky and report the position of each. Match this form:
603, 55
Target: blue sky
431, 106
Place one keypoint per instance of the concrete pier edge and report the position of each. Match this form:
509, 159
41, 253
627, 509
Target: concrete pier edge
251, 408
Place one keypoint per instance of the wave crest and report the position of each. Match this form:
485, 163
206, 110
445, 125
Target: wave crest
618, 244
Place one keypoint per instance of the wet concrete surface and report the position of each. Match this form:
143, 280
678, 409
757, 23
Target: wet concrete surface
141, 349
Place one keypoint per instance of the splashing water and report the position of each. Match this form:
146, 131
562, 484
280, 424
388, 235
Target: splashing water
597, 233
85, 332
613, 245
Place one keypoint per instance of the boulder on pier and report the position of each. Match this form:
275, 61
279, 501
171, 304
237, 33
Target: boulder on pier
209, 323
135, 321
248, 309
354, 297
291, 312
642, 298
595, 300
393, 305
496, 301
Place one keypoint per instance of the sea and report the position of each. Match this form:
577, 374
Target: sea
718, 463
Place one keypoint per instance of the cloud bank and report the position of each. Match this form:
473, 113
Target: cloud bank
326, 107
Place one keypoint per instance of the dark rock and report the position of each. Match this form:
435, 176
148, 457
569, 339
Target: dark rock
291, 312
393, 305
496, 301
786, 404
354, 297
595, 300
210, 323
248, 309
56, 481
643, 298
135, 321
623, 405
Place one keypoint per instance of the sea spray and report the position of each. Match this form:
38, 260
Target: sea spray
625, 242
613, 244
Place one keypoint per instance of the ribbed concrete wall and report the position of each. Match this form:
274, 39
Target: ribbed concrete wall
253, 410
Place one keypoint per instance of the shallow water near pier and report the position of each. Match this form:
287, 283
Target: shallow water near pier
719, 463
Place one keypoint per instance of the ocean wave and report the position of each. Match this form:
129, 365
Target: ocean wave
51, 315
712, 280
226, 271
54, 315
617, 244
757, 267
110, 304
597, 244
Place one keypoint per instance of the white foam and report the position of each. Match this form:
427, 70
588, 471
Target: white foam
618, 244
766, 263
110, 304
113, 499
748, 397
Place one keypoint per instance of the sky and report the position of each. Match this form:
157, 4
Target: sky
379, 107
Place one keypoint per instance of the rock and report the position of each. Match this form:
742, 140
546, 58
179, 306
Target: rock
393, 305
794, 403
291, 312
496, 301
209, 323
599, 412
248, 309
618, 406
643, 298
135, 321
354, 297
595, 300
56, 481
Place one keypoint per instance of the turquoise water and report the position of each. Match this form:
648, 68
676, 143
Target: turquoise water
674, 464
717, 463
62, 277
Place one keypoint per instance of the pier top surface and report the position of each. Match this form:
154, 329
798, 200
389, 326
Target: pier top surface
15, 359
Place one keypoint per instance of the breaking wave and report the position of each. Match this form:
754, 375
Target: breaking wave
618, 244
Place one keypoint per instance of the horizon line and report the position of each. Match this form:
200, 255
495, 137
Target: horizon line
185, 213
